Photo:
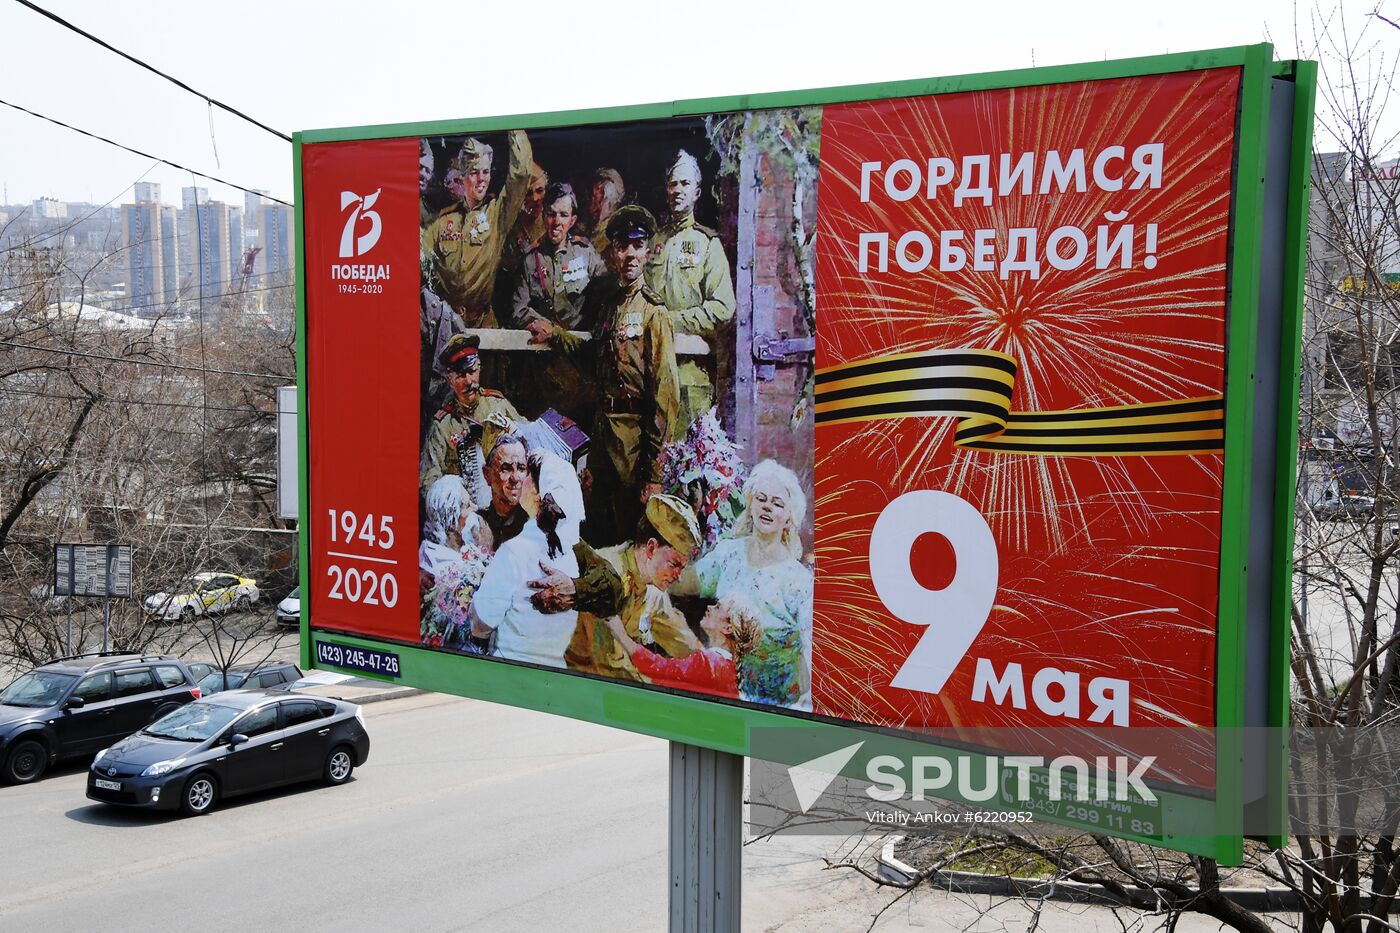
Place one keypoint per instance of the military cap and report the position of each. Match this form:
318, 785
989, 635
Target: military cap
498, 428
473, 151
673, 520
611, 177
631, 222
461, 354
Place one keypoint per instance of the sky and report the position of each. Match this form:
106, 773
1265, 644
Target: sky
303, 64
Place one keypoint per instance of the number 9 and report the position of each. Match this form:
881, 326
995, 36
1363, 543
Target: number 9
953, 616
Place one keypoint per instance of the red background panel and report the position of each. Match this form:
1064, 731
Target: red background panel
362, 380
1108, 567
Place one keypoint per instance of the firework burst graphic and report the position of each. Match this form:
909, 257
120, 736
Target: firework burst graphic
1083, 337
1108, 563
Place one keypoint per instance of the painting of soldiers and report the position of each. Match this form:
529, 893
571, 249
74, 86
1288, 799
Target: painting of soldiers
634, 364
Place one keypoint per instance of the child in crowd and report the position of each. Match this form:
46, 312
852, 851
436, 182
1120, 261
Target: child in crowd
731, 628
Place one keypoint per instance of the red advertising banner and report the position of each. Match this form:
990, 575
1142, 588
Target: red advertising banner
1019, 400
360, 211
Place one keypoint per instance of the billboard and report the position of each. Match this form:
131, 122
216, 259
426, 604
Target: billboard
923, 410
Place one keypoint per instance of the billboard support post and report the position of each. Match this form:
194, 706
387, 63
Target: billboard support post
706, 851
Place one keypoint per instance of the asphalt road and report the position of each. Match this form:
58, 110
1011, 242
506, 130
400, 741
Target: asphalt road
468, 816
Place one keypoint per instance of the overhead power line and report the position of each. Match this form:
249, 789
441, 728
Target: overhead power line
151, 68
144, 155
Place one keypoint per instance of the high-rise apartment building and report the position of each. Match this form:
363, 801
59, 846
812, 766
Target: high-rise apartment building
276, 238
152, 251
206, 243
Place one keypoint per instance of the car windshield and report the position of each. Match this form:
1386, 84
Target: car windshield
193, 722
295, 593
37, 688
214, 681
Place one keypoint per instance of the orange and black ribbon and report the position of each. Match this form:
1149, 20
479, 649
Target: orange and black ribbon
975, 387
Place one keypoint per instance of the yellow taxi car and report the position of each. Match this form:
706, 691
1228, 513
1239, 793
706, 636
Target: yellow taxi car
203, 594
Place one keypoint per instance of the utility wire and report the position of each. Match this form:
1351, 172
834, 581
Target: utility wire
140, 362
144, 155
140, 401
136, 61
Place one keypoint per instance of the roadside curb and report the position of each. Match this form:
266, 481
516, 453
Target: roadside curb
896, 871
398, 694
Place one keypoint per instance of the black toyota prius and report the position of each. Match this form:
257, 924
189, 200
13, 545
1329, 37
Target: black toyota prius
233, 743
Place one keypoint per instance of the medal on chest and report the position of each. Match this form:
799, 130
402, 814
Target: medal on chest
479, 227
690, 254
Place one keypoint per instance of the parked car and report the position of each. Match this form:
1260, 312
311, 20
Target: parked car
249, 676
289, 609
203, 594
234, 743
77, 705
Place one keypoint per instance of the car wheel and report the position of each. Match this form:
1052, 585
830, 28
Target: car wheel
26, 762
340, 764
200, 795
187, 615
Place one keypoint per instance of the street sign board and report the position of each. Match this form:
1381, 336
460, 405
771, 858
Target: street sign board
92, 570
955, 412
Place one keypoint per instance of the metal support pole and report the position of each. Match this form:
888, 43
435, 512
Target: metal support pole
68, 601
106, 619
706, 851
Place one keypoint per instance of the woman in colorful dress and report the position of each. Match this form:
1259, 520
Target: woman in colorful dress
761, 561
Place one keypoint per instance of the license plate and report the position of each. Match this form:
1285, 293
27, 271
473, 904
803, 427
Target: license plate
108, 785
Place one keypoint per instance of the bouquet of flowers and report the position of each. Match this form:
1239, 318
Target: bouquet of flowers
704, 469
446, 620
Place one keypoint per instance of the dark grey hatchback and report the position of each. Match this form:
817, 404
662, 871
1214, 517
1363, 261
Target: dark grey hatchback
234, 743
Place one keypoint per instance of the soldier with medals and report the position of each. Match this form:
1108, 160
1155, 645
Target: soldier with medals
455, 436
634, 364
464, 244
691, 274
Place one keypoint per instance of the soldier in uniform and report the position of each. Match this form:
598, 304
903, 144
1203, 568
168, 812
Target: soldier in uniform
528, 228
634, 364
464, 243
691, 274
605, 198
643, 569
454, 438
548, 297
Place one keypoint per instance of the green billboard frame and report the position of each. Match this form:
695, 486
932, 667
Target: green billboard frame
1190, 823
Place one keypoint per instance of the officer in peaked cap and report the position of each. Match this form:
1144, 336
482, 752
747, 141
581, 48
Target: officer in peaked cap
454, 440
633, 359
